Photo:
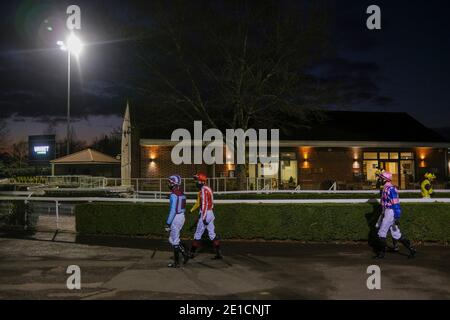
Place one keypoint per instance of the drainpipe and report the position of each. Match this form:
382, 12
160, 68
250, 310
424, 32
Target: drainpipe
447, 164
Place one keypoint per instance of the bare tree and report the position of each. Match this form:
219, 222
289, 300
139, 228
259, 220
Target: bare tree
240, 64
109, 144
75, 144
20, 153
3, 132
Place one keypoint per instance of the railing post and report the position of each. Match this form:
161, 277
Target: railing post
137, 188
57, 214
160, 188
25, 215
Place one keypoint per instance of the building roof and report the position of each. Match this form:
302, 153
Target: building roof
365, 126
87, 156
347, 126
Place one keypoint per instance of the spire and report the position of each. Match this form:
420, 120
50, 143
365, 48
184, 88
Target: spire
126, 119
126, 147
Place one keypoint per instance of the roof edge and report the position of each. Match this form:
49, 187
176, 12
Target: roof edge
324, 143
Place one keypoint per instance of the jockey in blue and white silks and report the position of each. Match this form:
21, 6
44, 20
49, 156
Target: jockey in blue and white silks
390, 216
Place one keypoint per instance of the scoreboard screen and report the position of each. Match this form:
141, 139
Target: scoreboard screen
41, 148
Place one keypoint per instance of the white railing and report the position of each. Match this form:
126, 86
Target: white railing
156, 187
58, 200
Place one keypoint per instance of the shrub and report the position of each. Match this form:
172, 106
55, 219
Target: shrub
307, 222
13, 213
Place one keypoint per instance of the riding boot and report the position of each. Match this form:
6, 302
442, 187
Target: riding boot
381, 248
216, 245
195, 244
184, 253
408, 246
176, 258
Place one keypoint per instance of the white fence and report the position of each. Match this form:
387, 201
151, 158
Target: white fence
220, 184
157, 187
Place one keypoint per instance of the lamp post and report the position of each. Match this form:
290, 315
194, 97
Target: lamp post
73, 45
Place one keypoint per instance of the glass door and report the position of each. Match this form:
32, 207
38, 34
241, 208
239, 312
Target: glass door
289, 173
392, 167
407, 174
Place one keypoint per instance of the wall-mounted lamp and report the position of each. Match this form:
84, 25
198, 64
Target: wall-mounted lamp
356, 165
153, 152
306, 163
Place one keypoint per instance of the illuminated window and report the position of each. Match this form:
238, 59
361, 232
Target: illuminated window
370, 168
384, 155
406, 155
288, 156
370, 155
393, 155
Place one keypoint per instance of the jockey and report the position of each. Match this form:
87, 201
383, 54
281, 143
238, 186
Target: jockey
205, 202
391, 212
175, 220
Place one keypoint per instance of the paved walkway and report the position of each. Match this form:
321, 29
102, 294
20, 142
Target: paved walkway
36, 268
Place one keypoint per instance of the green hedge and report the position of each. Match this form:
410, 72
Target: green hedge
12, 215
307, 222
337, 195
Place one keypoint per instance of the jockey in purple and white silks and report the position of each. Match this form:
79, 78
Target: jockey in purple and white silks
389, 220
175, 220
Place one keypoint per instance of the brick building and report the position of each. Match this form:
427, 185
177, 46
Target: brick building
345, 147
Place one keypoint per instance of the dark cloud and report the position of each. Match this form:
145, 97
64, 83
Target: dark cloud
356, 82
402, 67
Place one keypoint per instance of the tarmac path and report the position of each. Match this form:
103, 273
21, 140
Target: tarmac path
122, 268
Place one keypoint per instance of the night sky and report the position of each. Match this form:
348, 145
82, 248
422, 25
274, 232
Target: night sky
403, 67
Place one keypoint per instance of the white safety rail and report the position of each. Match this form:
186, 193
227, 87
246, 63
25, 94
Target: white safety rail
159, 185
163, 194
157, 194
222, 184
267, 201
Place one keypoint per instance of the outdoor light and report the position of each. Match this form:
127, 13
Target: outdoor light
153, 152
305, 164
73, 44
61, 45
